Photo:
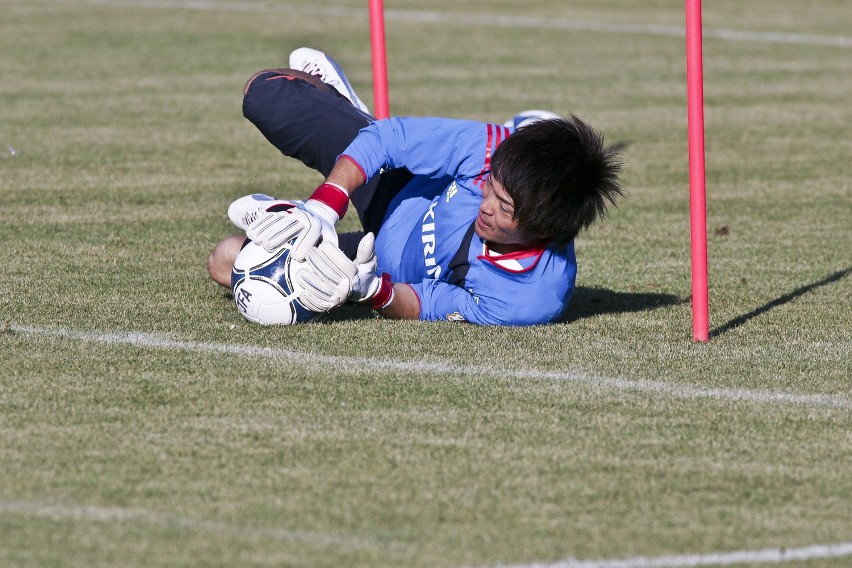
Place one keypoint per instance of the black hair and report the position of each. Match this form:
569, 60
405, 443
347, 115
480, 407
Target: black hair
559, 175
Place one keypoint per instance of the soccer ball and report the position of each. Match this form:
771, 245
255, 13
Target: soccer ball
528, 117
263, 289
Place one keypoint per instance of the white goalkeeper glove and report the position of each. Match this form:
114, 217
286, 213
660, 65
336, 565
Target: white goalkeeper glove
362, 283
367, 286
275, 228
247, 209
326, 205
324, 278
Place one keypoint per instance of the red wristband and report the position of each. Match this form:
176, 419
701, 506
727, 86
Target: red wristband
384, 296
334, 196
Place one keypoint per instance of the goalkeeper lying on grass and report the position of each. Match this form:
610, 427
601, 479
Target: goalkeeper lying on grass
473, 222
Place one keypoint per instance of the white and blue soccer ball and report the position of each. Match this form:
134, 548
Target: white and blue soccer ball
264, 291
528, 117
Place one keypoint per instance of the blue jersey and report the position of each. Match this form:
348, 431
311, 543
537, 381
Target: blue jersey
427, 237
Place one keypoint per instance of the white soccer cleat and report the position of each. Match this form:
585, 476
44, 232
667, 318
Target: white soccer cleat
245, 210
528, 117
317, 63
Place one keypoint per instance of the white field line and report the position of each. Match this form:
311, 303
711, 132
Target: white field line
766, 556
113, 515
467, 19
350, 364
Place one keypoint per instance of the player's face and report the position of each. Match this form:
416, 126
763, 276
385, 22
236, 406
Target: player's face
495, 222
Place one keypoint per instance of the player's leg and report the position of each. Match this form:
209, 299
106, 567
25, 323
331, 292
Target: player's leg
308, 119
303, 118
372, 200
314, 80
321, 65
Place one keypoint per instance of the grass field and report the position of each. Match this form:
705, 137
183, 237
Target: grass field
144, 423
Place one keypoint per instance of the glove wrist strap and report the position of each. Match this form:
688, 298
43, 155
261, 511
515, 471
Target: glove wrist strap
384, 296
332, 195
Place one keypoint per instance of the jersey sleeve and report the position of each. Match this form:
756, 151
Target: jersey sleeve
432, 147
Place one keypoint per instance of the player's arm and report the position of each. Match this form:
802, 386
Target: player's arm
426, 146
431, 147
346, 175
405, 304
496, 301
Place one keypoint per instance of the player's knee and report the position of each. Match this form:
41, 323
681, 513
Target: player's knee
253, 79
262, 95
214, 268
273, 92
220, 262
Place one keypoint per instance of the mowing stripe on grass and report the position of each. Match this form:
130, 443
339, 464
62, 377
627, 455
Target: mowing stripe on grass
766, 556
452, 18
113, 515
345, 364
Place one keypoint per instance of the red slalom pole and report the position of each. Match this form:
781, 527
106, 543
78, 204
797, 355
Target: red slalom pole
380, 65
697, 194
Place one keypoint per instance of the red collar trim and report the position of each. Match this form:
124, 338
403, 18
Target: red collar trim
510, 262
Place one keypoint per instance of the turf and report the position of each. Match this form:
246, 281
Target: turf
206, 441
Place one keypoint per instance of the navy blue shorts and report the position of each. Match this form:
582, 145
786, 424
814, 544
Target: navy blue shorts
315, 127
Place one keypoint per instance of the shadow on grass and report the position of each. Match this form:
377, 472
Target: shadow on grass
588, 302
740, 320
343, 313
348, 312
